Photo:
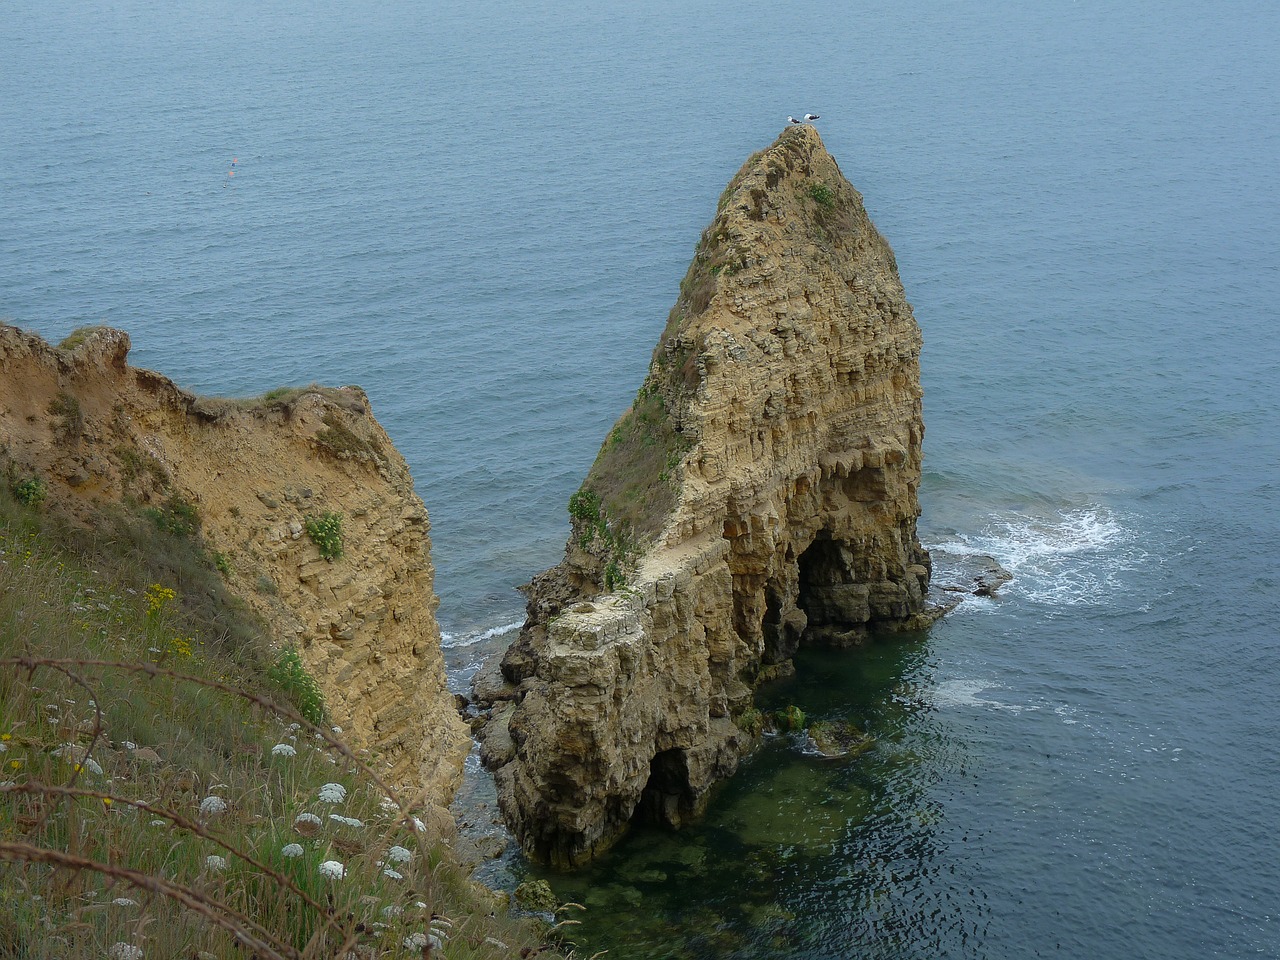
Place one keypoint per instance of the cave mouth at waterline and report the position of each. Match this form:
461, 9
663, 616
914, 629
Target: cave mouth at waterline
667, 799
835, 607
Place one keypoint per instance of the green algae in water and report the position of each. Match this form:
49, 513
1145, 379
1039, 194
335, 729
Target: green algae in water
784, 829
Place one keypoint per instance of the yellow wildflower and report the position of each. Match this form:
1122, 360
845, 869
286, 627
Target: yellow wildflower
157, 598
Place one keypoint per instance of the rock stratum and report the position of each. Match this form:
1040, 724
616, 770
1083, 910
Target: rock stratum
99, 432
759, 494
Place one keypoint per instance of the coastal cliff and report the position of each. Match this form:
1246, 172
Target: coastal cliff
759, 494
100, 433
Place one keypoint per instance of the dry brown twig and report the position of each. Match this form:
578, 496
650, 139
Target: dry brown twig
248, 932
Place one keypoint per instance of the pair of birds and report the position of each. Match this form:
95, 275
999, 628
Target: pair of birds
808, 118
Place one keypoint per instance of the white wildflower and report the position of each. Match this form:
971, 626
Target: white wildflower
4, 747
387, 805
129, 745
392, 910
337, 729
291, 850
283, 750
418, 824
124, 902
393, 874
159, 823
93, 766
399, 855
212, 806
308, 818
295, 727
333, 793
124, 951
333, 870
349, 821
215, 863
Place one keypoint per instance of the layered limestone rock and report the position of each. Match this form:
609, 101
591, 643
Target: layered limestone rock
98, 431
759, 494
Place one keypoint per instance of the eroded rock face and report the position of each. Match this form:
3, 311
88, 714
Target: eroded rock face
97, 431
759, 494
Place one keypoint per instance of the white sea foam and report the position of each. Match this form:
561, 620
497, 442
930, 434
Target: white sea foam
1071, 557
964, 692
478, 636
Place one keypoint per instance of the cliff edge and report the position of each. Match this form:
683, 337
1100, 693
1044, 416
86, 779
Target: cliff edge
759, 494
99, 432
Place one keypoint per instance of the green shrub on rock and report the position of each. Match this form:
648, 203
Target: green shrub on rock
29, 492
326, 533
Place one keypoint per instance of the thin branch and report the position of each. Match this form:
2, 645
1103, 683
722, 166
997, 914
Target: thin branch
198, 829
248, 932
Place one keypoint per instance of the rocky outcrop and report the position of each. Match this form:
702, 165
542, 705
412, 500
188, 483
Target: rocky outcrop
98, 431
759, 494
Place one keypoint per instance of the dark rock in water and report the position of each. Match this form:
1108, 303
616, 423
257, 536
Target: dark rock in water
975, 573
496, 745
489, 686
838, 738
990, 578
536, 896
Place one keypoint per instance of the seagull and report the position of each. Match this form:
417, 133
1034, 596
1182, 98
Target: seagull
793, 120
808, 117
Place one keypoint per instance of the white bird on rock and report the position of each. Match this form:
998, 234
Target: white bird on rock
808, 117
793, 120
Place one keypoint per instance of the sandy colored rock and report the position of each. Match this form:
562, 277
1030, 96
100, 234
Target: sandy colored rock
760, 494
97, 431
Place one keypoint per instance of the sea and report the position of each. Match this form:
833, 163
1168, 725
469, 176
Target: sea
480, 212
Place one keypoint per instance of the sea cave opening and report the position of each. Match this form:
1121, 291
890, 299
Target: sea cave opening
667, 798
835, 607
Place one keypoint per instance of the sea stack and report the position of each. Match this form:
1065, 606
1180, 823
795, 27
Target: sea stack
759, 494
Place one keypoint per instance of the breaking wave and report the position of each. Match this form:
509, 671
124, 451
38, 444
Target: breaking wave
1075, 556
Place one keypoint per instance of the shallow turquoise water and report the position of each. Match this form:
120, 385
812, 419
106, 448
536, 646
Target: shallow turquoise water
481, 214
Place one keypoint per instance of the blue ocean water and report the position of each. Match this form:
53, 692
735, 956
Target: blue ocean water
481, 212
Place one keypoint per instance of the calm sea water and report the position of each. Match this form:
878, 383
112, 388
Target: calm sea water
480, 213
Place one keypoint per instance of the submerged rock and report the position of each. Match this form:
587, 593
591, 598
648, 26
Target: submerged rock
759, 493
536, 896
838, 738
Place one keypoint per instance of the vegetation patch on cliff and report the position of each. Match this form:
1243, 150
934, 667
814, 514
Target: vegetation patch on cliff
635, 474
155, 801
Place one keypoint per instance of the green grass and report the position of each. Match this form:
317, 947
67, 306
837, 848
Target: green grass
635, 474
126, 703
79, 336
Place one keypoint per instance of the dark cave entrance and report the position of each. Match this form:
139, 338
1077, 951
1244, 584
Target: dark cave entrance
667, 799
836, 607
782, 631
